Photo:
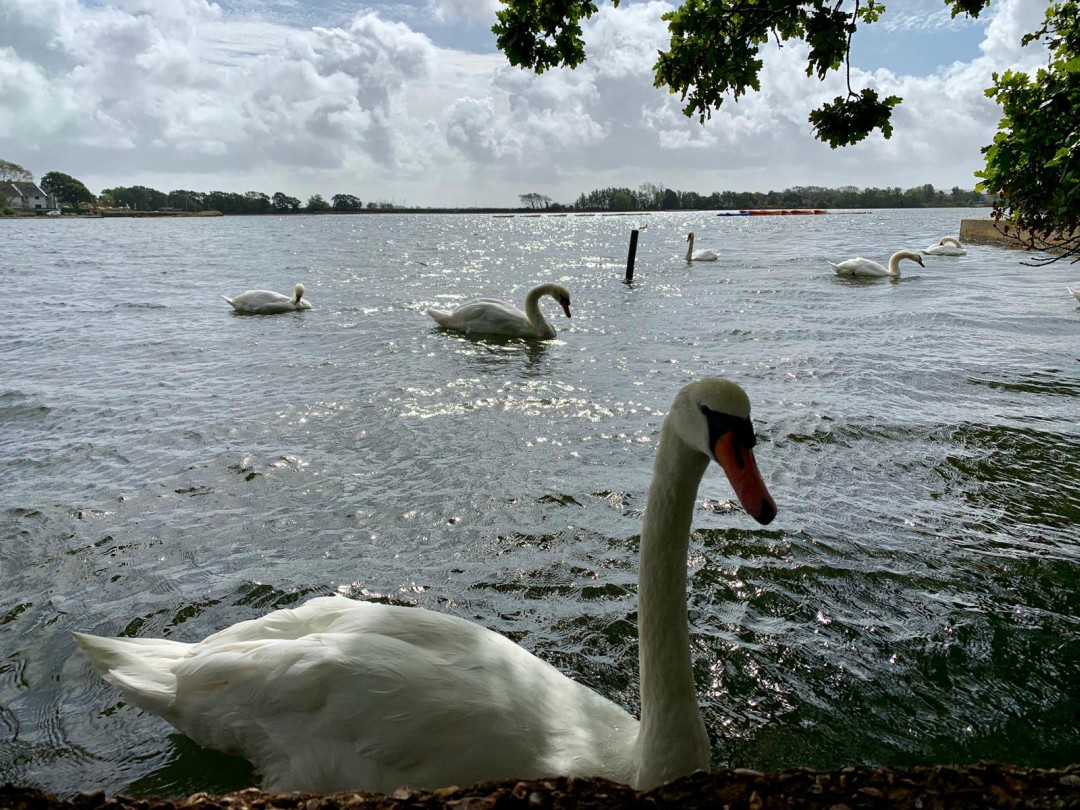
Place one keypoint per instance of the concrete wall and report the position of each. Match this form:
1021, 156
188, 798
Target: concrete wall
988, 232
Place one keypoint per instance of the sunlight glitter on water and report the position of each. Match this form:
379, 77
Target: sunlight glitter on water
171, 469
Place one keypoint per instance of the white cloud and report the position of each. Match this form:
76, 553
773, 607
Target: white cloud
183, 95
475, 11
917, 19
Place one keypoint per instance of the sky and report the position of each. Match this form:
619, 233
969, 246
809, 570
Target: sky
409, 102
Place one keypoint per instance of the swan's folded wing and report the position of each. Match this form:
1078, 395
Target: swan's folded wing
491, 316
262, 301
859, 266
398, 696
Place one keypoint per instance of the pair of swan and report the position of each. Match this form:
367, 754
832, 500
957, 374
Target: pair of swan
947, 246
700, 255
267, 302
344, 695
492, 316
867, 268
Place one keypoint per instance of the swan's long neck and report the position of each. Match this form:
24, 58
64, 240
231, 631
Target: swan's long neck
894, 260
672, 740
532, 308
690, 247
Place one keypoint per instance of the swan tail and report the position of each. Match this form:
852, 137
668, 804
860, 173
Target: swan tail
229, 300
441, 316
141, 667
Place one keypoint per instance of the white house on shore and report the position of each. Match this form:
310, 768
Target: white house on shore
25, 196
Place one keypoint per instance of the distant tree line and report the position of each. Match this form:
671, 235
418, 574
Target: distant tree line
141, 198
71, 193
650, 197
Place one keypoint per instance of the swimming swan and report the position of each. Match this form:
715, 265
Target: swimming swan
867, 268
701, 255
345, 695
947, 246
267, 302
492, 316
1076, 293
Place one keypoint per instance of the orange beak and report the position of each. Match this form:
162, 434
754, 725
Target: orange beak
565, 307
742, 471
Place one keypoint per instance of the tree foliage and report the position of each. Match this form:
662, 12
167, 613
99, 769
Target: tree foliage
346, 202
714, 50
67, 190
316, 204
256, 202
1033, 165
649, 197
186, 200
14, 172
283, 202
535, 201
137, 198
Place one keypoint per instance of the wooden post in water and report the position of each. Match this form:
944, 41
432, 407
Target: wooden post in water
630, 256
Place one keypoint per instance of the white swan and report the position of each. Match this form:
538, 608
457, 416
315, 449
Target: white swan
947, 246
865, 267
492, 316
267, 302
1076, 293
701, 255
337, 694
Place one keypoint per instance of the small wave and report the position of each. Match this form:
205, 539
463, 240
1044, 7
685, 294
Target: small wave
1050, 382
16, 406
139, 305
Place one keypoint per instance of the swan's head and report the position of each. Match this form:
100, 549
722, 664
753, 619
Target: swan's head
562, 295
298, 293
713, 417
905, 254
690, 237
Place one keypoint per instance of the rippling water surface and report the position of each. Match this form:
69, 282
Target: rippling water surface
169, 468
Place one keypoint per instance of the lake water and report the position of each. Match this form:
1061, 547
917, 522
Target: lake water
169, 468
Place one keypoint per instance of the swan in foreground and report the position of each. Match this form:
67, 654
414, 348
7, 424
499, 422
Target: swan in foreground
1075, 293
947, 246
492, 316
345, 695
267, 302
701, 255
867, 268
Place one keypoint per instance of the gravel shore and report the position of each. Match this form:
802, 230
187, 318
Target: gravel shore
941, 787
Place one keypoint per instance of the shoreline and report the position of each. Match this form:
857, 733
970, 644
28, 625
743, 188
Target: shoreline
938, 787
501, 213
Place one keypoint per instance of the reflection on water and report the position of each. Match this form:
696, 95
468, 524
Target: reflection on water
170, 470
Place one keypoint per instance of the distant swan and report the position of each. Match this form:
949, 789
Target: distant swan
267, 302
867, 268
341, 695
948, 246
492, 316
1076, 293
701, 255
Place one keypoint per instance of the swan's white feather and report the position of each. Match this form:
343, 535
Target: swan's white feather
699, 255
268, 302
338, 693
493, 316
946, 246
869, 268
